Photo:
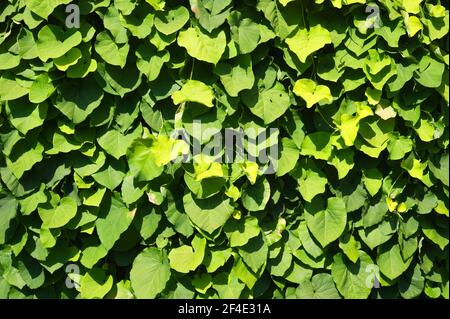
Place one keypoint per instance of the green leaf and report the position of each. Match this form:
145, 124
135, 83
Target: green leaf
391, 262
284, 2
147, 156
10, 89
318, 145
375, 214
60, 215
375, 236
321, 286
8, 207
425, 130
353, 280
150, 62
379, 68
254, 253
246, 33
194, 91
350, 248
25, 117
308, 242
349, 124
112, 222
289, 157
115, 143
78, 99
305, 42
53, 42
204, 47
208, 214
430, 72
438, 235
139, 22
171, 21
311, 180
372, 180
205, 167
111, 175
239, 232
95, 284
186, 258
236, 76
111, 21
280, 266
228, 286
312, 93
157, 4
269, 104
255, 197
150, 224
440, 170
414, 167
343, 161
399, 146
214, 259
111, 52
210, 14
41, 89
45, 7
150, 273
414, 283
32, 273
68, 59
326, 223
92, 254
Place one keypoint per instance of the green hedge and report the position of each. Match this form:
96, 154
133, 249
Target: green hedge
343, 189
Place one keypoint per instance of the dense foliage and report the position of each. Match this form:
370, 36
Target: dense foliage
94, 201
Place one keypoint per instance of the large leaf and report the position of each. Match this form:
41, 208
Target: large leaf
312, 93
194, 91
353, 280
268, 104
208, 214
306, 42
391, 261
60, 215
186, 258
114, 220
53, 42
326, 224
255, 197
149, 273
321, 286
202, 46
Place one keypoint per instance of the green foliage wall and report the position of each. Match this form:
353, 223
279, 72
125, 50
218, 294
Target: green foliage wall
93, 205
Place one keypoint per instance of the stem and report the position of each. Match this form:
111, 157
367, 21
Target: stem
325, 120
393, 184
192, 69
306, 25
